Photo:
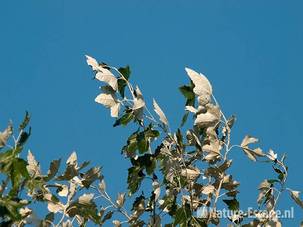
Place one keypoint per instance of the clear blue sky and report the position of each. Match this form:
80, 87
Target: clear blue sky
251, 51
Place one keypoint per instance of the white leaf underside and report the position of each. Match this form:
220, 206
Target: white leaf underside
108, 100
55, 207
208, 189
205, 118
92, 62
72, 160
114, 110
191, 109
202, 84
86, 198
138, 100
248, 140
33, 166
106, 76
160, 113
4, 136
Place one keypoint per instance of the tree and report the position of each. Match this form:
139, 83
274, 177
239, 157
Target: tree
185, 173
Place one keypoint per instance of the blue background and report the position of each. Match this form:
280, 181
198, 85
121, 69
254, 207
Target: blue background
251, 51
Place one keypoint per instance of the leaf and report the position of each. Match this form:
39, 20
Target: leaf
72, 160
102, 185
183, 214
121, 81
50, 217
114, 110
106, 76
206, 119
248, 140
233, 204
156, 189
125, 71
55, 207
62, 190
138, 101
187, 92
251, 153
108, 100
86, 198
134, 179
92, 62
120, 200
18, 172
160, 113
107, 216
25, 121
191, 109
213, 147
4, 136
125, 119
190, 173
272, 155
90, 176
208, 189
295, 195
209, 118
23, 137
202, 85
53, 169
33, 166
67, 223
184, 119
117, 223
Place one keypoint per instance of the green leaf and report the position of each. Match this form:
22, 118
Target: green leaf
25, 121
134, 179
150, 133
24, 137
179, 137
272, 181
131, 146
281, 174
18, 173
6, 156
125, 71
147, 162
138, 201
86, 210
295, 195
121, 81
125, 119
107, 216
232, 204
143, 143
53, 169
187, 91
50, 217
183, 215
184, 119
11, 207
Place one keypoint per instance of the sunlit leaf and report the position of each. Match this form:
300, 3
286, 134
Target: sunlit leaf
106, 76
295, 195
4, 136
202, 84
160, 113
33, 166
